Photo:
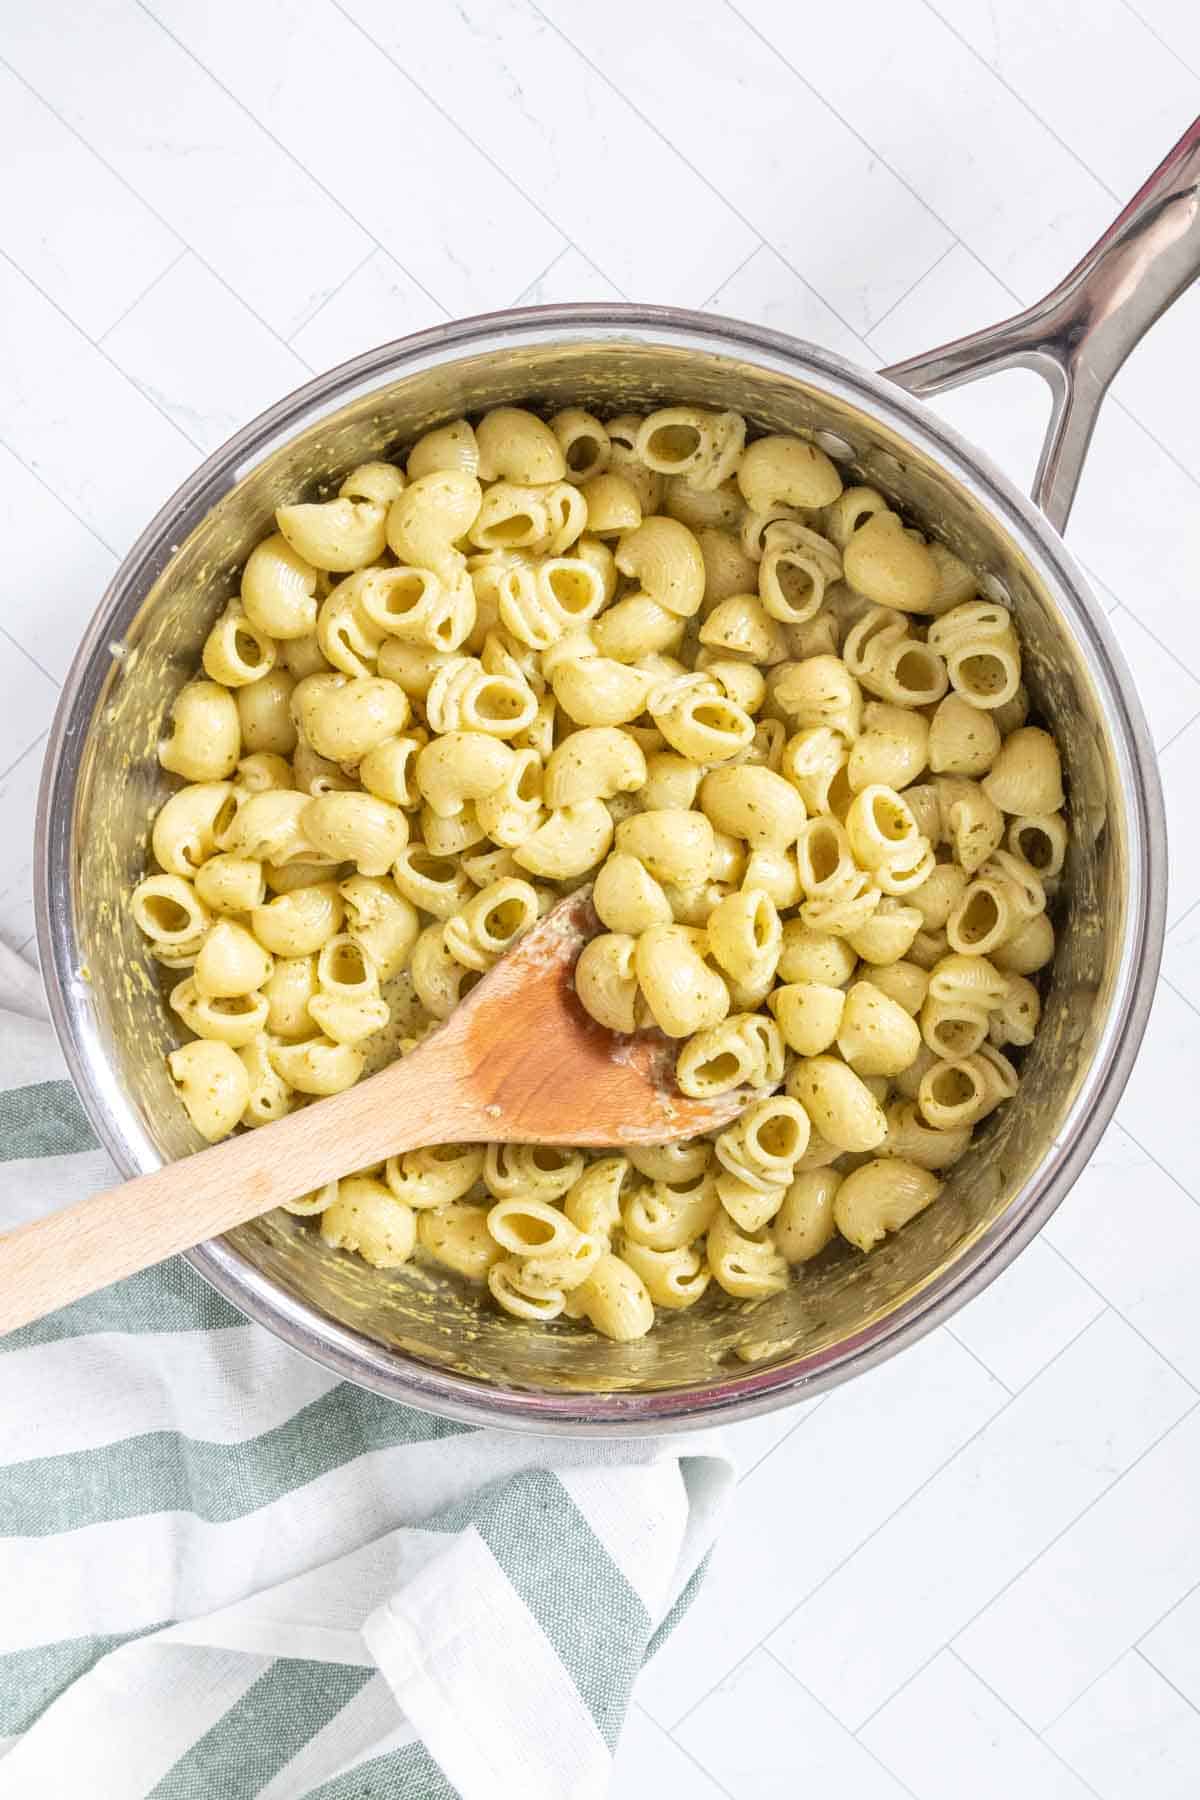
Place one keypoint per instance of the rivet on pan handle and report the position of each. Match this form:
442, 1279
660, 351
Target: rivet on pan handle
1080, 334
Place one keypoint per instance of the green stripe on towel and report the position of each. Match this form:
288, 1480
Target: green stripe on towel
407, 1774
31, 1679
171, 1297
563, 1574
43, 1120
164, 1471
255, 1740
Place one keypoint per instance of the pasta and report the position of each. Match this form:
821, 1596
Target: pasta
880, 1197
804, 1223
776, 727
683, 994
746, 1264
213, 1084
367, 1218
888, 566
206, 733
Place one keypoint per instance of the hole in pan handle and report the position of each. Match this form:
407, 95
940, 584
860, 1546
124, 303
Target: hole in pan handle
1078, 336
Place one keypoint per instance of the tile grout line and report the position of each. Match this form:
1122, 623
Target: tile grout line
821, 1706
1121, 406
1186, 726
569, 243
1159, 39
863, 338
1000, 281
1123, 606
956, 1452
1024, 1723
1190, 1004
1095, 581
785, 1439
55, 495
375, 250
1135, 1648
1071, 1523
683, 1750
27, 751
662, 137
1153, 1666
317, 183
98, 348
908, 292
1149, 1154
763, 243
824, 100
951, 1644
153, 210
1116, 1482
456, 125
1021, 101
979, 1362
874, 1532
308, 174
1183, 917
28, 655
1083, 1692
553, 264
1111, 1306
734, 273
148, 289
758, 1462
1163, 1617
766, 244
741, 1662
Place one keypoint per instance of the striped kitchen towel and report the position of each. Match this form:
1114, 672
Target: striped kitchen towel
225, 1573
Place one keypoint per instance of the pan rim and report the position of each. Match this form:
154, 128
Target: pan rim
394, 1373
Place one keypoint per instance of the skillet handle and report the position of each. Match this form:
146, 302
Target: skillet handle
1079, 335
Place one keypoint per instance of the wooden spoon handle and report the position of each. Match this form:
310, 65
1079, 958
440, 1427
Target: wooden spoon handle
72, 1252
83, 1247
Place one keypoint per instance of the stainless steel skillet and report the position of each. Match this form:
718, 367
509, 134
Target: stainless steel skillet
427, 1341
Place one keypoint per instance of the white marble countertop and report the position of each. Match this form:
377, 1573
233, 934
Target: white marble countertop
977, 1571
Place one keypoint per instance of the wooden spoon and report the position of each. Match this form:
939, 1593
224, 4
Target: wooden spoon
519, 1061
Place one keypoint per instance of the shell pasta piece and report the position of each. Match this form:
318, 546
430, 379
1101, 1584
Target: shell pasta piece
880, 1197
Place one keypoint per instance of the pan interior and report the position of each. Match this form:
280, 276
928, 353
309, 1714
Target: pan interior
840, 1300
